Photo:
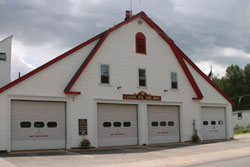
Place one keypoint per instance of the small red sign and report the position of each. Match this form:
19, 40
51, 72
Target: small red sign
117, 134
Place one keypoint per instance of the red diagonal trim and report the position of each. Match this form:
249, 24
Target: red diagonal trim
13, 83
67, 90
177, 55
84, 65
169, 41
187, 72
206, 78
177, 52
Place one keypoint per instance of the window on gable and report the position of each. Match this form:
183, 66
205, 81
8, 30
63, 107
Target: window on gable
174, 80
104, 74
140, 43
142, 77
2, 56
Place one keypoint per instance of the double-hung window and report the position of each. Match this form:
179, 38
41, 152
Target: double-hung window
142, 77
174, 80
105, 74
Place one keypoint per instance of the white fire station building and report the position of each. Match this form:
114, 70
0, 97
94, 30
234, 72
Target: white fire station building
130, 85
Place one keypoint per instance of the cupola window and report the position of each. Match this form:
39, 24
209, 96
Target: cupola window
140, 43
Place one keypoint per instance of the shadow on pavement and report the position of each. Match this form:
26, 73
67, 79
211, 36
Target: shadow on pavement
106, 150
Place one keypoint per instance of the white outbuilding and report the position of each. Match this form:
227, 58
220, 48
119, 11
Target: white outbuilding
130, 85
241, 119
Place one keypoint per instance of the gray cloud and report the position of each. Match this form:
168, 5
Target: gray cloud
200, 28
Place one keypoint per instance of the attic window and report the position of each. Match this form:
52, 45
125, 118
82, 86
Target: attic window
140, 43
2, 56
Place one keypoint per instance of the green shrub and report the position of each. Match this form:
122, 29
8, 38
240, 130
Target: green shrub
245, 131
195, 137
241, 131
85, 143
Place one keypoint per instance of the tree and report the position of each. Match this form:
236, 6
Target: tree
236, 85
247, 78
236, 81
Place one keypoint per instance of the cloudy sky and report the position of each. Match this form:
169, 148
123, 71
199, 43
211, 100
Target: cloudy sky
214, 32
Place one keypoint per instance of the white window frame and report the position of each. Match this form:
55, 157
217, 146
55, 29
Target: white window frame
174, 81
138, 74
101, 74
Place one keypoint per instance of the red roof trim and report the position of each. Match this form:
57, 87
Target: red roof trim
191, 79
207, 79
13, 83
188, 73
93, 52
162, 34
175, 49
85, 63
177, 52
72, 93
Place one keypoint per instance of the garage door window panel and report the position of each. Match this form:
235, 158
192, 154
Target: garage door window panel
117, 124
39, 124
205, 122
25, 124
106, 124
154, 124
170, 123
220, 122
52, 124
163, 123
126, 124
213, 122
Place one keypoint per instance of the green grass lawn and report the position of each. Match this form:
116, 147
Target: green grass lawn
241, 131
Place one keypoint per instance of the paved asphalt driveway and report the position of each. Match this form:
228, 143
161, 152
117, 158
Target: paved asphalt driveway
184, 154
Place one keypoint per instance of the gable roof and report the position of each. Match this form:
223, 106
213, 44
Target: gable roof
53, 61
101, 37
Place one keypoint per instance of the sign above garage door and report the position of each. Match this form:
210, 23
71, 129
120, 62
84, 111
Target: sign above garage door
141, 96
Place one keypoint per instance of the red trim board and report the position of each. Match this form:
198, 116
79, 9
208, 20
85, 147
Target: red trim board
84, 65
13, 83
207, 79
177, 52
